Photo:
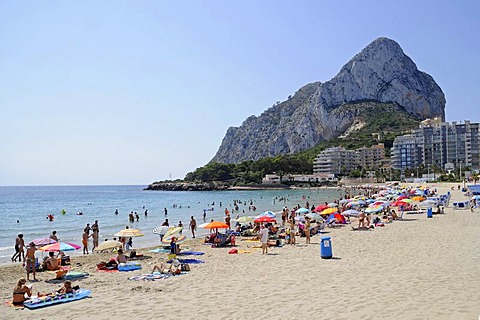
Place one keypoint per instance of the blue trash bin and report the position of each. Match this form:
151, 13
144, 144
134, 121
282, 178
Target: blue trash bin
429, 213
326, 248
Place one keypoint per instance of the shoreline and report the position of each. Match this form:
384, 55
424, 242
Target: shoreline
403, 270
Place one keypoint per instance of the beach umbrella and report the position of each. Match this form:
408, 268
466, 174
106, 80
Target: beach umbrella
264, 219
244, 219
108, 245
300, 218
60, 246
475, 198
127, 233
216, 225
329, 211
352, 204
401, 197
351, 213
267, 214
43, 241
418, 198
203, 225
381, 203
180, 239
160, 230
314, 216
373, 209
332, 205
343, 201
428, 203
406, 200
173, 230
302, 211
320, 208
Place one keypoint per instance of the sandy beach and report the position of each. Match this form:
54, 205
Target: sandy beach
414, 269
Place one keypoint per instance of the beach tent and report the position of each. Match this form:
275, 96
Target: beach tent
338, 216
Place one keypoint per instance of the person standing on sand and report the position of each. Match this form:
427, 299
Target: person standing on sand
85, 237
264, 239
307, 230
30, 260
292, 231
193, 226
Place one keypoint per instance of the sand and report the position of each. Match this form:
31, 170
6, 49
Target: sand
417, 269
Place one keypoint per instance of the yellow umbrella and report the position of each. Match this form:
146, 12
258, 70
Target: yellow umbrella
126, 233
109, 244
329, 211
171, 231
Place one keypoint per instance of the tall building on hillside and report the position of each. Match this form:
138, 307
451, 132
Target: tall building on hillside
336, 160
371, 157
437, 143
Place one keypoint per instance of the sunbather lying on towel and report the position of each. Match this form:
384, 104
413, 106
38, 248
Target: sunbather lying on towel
174, 268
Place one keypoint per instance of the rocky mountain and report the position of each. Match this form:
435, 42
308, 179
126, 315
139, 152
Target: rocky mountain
381, 72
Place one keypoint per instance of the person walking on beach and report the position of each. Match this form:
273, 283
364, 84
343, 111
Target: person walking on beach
193, 226
30, 260
19, 245
87, 229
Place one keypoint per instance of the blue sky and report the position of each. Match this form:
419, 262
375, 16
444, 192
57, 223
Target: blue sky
129, 92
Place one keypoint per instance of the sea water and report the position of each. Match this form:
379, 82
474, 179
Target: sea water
24, 209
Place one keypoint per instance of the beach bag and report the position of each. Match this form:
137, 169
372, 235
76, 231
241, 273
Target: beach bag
185, 267
101, 265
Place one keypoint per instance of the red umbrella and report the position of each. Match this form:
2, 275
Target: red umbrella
321, 207
265, 219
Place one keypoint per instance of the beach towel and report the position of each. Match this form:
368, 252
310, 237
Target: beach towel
75, 275
191, 253
191, 261
154, 276
160, 250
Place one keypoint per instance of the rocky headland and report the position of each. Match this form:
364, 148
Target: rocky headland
380, 73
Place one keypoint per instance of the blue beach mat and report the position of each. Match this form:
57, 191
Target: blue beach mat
61, 298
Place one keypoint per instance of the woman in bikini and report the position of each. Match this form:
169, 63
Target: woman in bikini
30, 260
19, 292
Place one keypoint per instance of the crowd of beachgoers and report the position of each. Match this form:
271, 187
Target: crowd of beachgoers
243, 230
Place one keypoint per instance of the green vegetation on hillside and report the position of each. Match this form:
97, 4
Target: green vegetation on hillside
383, 123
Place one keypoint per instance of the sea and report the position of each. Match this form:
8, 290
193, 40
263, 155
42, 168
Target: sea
24, 209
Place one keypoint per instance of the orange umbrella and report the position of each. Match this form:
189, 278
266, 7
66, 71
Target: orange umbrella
216, 225
418, 198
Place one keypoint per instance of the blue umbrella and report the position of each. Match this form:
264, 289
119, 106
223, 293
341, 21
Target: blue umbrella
302, 211
269, 214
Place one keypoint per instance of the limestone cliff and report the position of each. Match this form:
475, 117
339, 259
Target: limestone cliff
381, 72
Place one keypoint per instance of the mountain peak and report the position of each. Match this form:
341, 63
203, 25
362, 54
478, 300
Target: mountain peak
380, 73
